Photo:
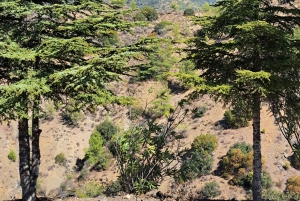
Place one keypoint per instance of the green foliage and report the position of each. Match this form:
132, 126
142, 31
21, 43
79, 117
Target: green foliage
196, 164
90, 189
199, 112
146, 153
207, 142
71, 113
135, 112
161, 27
150, 13
273, 195
60, 158
139, 17
161, 105
133, 4
211, 190
106, 129
235, 119
113, 188
118, 3
49, 111
96, 154
243, 146
189, 12
186, 67
160, 63
12, 155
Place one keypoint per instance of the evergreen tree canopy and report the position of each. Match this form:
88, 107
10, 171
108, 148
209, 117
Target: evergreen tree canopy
246, 53
58, 50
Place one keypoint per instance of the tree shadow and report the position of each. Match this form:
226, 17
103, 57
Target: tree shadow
175, 87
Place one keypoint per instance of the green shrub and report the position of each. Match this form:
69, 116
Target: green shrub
150, 13
71, 113
207, 142
197, 163
199, 112
96, 154
135, 112
118, 3
161, 106
243, 146
188, 12
139, 17
60, 158
49, 111
186, 66
106, 129
90, 189
295, 162
238, 165
113, 188
236, 120
211, 190
160, 27
269, 194
12, 156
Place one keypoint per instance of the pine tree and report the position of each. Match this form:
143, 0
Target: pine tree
58, 50
245, 53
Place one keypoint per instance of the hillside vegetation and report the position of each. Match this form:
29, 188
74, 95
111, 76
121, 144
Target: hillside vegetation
114, 104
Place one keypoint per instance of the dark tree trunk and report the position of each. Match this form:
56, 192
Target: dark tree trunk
24, 157
256, 184
35, 158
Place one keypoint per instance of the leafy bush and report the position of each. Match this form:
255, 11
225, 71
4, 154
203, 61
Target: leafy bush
295, 161
243, 146
160, 27
12, 156
199, 112
186, 66
235, 120
49, 111
96, 154
238, 164
197, 163
60, 158
188, 12
293, 184
269, 194
211, 190
135, 112
207, 142
118, 3
106, 129
139, 17
90, 189
113, 188
146, 153
71, 113
150, 13
160, 106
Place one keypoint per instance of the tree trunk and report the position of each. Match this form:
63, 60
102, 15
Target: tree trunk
35, 158
256, 183
24, 157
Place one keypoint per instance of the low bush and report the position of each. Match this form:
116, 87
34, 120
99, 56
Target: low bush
96, 154
238, 165
196, 164
235, 120
12, 156
113, 188
199, 112
293, 184
49, 111
139, 17
207, 142
161, 27
106, 129
188, 12
211, 190
150, 13
90, 189
135, 112
269, 194
60, 158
